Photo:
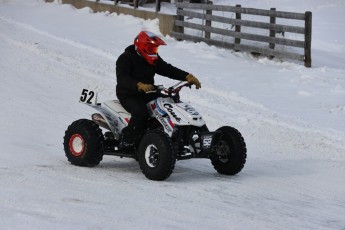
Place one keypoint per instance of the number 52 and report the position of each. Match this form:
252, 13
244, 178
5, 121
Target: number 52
88, 97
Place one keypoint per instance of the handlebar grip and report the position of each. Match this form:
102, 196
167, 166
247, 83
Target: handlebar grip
156, 89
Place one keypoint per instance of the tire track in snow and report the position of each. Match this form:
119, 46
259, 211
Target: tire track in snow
65, 55
60, 39
258, 122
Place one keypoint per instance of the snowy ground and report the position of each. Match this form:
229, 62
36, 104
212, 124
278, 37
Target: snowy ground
292, 118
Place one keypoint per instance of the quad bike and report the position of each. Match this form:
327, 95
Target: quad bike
174, 131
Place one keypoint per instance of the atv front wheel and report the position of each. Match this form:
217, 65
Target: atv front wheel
155, 155
231, 154
83, 143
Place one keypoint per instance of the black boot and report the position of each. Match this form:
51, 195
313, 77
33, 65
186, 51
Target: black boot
128, 138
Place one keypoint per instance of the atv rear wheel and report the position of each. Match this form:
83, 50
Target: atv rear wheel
231, 154
83, 143
155, 155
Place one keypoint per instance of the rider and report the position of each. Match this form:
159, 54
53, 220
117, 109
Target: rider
135, 70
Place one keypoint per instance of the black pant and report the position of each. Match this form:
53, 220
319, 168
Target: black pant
136, 106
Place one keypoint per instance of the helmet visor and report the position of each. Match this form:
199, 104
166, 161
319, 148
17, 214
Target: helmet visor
152, 49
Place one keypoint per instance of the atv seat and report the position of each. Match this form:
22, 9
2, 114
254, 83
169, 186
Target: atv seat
117, 107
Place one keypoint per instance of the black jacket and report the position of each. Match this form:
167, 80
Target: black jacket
131, 68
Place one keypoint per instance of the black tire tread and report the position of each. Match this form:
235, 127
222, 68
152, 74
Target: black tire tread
160, 139
238, 152
91, 134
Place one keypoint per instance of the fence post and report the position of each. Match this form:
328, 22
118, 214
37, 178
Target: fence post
307, 39
208, 22
179, 29
272, 33
136, 4
158, 5
238, 27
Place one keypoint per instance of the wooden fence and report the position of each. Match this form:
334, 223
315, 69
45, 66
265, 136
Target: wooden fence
135, 4
267, 43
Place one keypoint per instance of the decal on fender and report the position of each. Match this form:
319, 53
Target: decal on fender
169, 107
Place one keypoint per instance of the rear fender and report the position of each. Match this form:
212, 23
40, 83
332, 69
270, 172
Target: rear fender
113, 114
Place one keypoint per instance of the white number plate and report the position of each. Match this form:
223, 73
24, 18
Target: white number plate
88, 97
207, 141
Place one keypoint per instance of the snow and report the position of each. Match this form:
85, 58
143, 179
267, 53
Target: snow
292, 119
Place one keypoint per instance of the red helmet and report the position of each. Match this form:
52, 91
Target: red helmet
146, 44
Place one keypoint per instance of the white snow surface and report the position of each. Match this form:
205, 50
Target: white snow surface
292, 119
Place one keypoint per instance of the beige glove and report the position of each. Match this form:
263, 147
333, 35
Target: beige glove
144, 87
193, 80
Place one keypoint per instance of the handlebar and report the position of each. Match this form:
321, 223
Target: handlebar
175, 89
